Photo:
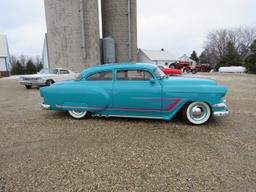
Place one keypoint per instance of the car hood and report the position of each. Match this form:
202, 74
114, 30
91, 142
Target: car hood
193, 85
188, 81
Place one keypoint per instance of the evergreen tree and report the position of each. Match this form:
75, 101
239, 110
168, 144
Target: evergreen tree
30, 67
250, 61
203, 58
17, 68
231, 56
39, 67
194, 57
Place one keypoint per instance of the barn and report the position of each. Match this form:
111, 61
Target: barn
161, 57
4, 57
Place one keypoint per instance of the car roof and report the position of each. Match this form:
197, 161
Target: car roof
58, 68
106, 67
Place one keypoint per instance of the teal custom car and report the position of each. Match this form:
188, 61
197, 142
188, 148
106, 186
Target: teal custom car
137, 91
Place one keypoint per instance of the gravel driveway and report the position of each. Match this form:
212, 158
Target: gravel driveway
49, 151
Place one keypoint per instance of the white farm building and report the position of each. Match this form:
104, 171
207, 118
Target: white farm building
161, 58
5, 66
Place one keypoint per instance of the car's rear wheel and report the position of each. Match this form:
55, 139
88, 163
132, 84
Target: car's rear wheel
79, 114
194, 71
28, 86
197, 113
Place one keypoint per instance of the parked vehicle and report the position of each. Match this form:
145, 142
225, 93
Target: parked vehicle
232, 69
170, 71
137, 91
184, 66
46, 77
203, 68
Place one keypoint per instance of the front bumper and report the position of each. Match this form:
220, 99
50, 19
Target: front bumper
32, 83
220, 110
45, 107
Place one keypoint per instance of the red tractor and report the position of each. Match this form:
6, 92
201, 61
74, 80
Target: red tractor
188, 67
184, 66
203, 68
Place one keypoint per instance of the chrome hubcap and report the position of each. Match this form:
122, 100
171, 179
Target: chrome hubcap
78, 113
198, 112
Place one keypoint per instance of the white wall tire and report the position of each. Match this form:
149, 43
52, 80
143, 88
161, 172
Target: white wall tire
197, 113
78, 114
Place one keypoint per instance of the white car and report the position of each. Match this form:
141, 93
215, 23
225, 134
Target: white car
46, 77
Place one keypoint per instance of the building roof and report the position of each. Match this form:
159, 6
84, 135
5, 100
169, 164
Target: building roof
154, 55
186, 58
4, 52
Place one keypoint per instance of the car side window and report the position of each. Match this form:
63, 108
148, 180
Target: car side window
101, 76
133, 75
62, 71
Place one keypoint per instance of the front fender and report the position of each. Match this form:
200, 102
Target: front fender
208, 94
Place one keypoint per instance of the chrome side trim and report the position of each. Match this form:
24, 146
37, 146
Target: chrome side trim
221, 114
45, 107
127, 116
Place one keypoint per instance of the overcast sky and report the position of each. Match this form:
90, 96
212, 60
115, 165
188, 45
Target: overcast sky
179, 26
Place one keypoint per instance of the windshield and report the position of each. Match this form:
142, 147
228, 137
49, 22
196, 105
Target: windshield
48, 71
159, 73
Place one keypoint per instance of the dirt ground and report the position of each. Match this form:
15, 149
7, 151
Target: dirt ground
49, 151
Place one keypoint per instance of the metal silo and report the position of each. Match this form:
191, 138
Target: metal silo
73, 33
119, 21
109, 50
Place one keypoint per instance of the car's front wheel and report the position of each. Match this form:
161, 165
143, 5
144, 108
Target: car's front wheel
49, 83
197, 113
28, 86
185, 70
79, 114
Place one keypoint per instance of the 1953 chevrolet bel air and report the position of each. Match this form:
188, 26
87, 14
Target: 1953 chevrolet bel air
137, 91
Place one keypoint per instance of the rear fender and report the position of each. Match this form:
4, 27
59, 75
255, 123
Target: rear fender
91, 99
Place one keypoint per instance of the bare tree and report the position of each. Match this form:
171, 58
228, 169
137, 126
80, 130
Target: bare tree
13, 60
217, 41
23, 59
37, 60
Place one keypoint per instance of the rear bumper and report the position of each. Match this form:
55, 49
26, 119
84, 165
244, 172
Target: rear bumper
221, 110
45, 107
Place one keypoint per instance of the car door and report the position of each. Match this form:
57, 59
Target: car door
136, 93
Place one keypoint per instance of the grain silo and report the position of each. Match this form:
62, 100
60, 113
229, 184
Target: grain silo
119, 21
72, 33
